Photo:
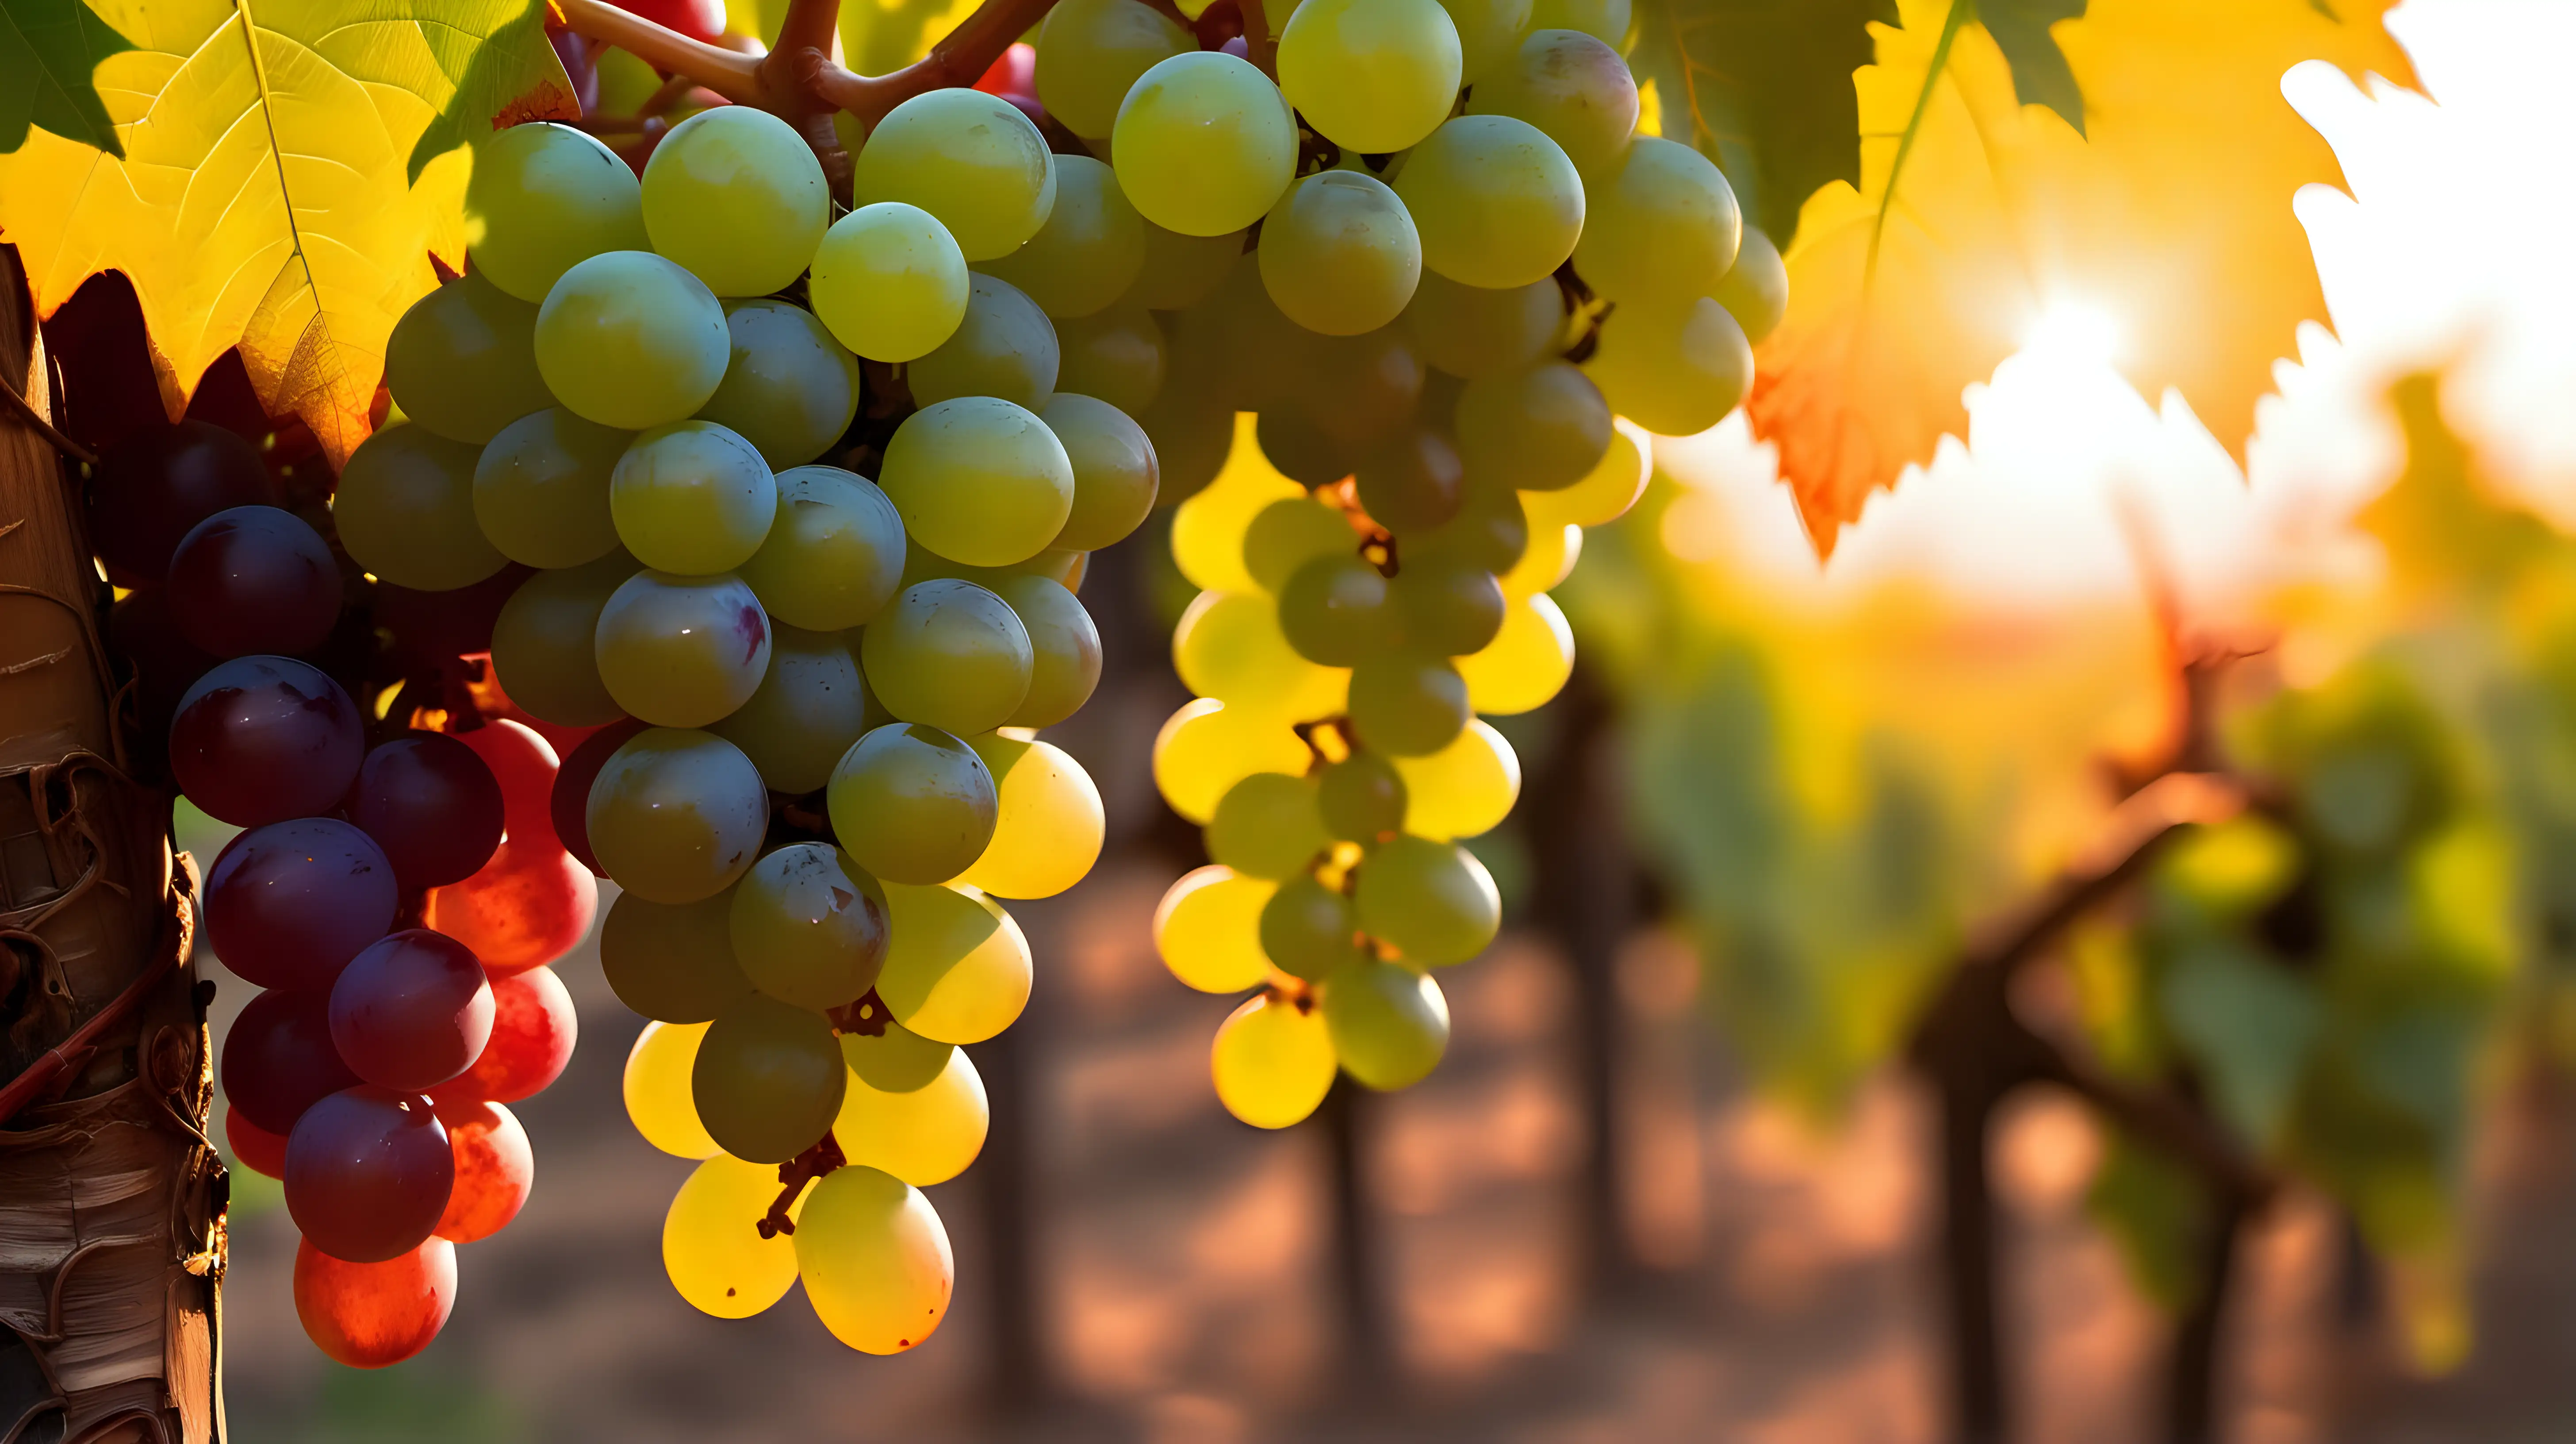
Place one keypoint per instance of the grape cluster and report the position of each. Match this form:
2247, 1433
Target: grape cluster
817, 690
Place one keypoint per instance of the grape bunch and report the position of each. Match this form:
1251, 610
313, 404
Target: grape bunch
816, 691
374, 1070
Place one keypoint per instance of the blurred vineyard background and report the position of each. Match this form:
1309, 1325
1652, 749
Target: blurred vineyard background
1682, 1175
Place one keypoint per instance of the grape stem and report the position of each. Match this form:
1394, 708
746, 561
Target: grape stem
1258, 41
793, 1175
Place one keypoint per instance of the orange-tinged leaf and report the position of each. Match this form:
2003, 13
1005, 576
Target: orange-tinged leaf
2172, 219
289, 170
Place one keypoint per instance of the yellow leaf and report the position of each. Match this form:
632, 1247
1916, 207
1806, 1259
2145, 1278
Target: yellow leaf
289, 170
2172, 220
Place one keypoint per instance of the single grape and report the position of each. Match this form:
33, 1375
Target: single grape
412, 1011
254, 579
279, 1060
405, 510
1115, 356
1755, 291
979, 480
533, 1031
289, 904
1553, 551
768, 1079
1408, 706
530, 905
1449, 607
951, 655
462, 361
1465, 789
1469, 331
1206, 747
152, 486
1579, 93
252, 1146
1232, 646
1005, 347
1272, 1061
1302, 451
913, 804
1208, 929
371, 1315
676, 816
1090, 249
545, 644
1534, 430
1359, 389
541, 489
874, 1260
1365, 798
496, 1169
682, 651
1674, 368
897, 1060
958, 968
1488, 33
1308, 930
1496, 201
805, 931
736, 195
808, 710
1370, 75
790, 389
1203, 144
1662, 226
1048, 823
1290, 532
1412, 481
544, 198
1389, 1024
1339, 253
1526, 663
1338, 610
1607, 491
712, 1245
1181, 270
263, 739
1091, 51
1489, 531
970, 159
692, 498
368, 1173
631, 340
833, 555
1064, 649
657, 1089
890, 282
1115, 477
1432, 901
1267, 826
671, 962
568, 800
925, 1136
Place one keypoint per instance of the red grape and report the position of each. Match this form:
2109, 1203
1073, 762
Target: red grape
368, 1315
571, 801
533, 1026
368, 1173
254, 1147
254, 579
432, 804
278, 1058
495, 1168
531, 904
1013, 73
524, 764
412, 1011
697, 19
151, 488
263, 739
287, 905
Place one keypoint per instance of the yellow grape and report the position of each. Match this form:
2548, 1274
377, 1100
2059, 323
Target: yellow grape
1091, 51
897, 1060
711, 1243
1272, 1062
1370, 75
1465, 789
1526, 664
1090, 249
874, 1260
889, 282
1755, 290
1553, 551
925, 1136
957, 970
1048, 830
1205, 748
1208, 929
970, 159
1203, 143
658, 1097
1208, 529
1674, 367
1607, 491
1228, 646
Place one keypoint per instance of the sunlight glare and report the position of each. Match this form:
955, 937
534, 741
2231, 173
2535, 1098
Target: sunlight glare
2074, 333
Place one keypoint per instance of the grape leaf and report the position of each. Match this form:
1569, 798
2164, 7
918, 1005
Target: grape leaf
1976, 211
48, 51
2040, 73
285, 176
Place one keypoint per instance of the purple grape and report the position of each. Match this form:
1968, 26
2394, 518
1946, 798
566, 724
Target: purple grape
254, 579
263, 739
412, 1011
368, 1172
432, 804
153, 487
288, 905
279, 1060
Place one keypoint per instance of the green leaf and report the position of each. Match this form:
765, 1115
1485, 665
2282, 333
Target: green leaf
2251, 1026
2040, 73
49, 50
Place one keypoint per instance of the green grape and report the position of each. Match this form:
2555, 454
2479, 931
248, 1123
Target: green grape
1490, 531
1291, 532
1465, 789
1605, 494
1488, 30
736, 195
1553, 551
790, 389
1338, 611
1663, 226
913, 804
1115, 357
1203, 144
541, 489
712, 1246
834, 554
1208, 529
768, 1079
873, 1258
1533, 430
1469, 331
1755, 290
1193, 434
1363, 797
810, 706
1675, 369
1253, 352
671, 962
1208, 930
1338, 253
958, 971
1575, 89
1412, 481
924, 1136
544, 198
1267, 826
897, 1060
463, 360
1049, 828
675, 816
1272, 1062
545, 643
1360, 388
1301, 451
1389, 1024
1088, 252
682, 651
626, 82
693, 498
978, 480
1496, 201
656, 1089
1433, 902
1114, 473
1450, 607
630, 340
1091, 51
1526, 663
1370, 75
1181, 270
1064, 647
1004, 348
968, 158
1603, 20
1229, 645
1408, 706
1206, 747
890, 282
1308, 930
805, 929
405, 511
